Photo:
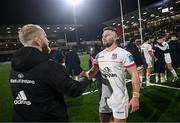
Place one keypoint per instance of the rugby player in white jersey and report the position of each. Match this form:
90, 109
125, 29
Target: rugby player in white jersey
147, 51
113, 62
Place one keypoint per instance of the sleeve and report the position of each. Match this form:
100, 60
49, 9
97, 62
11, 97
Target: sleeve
149, 47
128, 60
161, 47
60, 81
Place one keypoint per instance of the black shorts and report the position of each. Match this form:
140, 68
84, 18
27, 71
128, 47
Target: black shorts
159, 67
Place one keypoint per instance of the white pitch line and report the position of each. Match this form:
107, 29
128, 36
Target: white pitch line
129, 80
165, 86
5, 62
86, 93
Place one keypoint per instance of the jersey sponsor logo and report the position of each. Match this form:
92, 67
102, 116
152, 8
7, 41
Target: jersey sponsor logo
21, 99
100, 56
22, 81
114, 56
118, 112
106, 73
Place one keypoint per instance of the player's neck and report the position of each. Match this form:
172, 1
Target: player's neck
112, 47
37, 47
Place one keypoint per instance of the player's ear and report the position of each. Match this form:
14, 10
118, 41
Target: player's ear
37, 41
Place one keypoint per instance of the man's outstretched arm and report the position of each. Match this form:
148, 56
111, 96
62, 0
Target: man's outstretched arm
134, 102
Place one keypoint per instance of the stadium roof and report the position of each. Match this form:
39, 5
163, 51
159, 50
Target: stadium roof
156, 11
11, 31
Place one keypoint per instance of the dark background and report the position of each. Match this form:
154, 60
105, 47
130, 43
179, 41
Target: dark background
89, 13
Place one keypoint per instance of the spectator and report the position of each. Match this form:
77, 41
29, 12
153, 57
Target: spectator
38, 83
135, 51
72, 63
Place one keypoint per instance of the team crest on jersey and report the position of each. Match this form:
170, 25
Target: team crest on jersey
114, 56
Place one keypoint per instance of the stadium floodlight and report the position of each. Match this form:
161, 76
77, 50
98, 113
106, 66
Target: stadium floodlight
177, 2
165, 10
159, 8
73, 2
144, 13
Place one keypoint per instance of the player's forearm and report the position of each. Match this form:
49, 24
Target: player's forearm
151, 54
162, 48
135, 84
92, 72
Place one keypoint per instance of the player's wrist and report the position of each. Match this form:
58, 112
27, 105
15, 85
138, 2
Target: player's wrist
135, 94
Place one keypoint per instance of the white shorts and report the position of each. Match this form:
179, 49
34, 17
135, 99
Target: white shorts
167, 58
119, 110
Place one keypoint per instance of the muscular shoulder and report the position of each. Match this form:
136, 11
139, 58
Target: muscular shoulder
125, 57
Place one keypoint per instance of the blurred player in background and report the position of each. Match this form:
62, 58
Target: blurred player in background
135, 51
165, 48
174, 47
159, 64
147, 53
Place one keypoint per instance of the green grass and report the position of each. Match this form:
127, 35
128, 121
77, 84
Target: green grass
84, 61
84, 108
5, 94
157, 104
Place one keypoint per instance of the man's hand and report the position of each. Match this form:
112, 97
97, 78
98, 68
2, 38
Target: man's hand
134, 104
83, 74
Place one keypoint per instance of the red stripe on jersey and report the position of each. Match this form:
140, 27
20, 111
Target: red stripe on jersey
130, 65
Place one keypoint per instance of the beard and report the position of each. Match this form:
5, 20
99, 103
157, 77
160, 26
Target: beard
107, 44
46, 49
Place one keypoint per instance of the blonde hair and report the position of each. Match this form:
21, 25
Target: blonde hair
113, 31
114, 35
28, 32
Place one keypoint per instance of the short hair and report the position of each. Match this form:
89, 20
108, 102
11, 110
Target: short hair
173, 34
28, 32
113, 29
110, 28
146, 39
160, 35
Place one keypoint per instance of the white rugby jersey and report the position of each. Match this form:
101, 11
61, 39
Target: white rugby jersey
165, 46
112, 66
145, 48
